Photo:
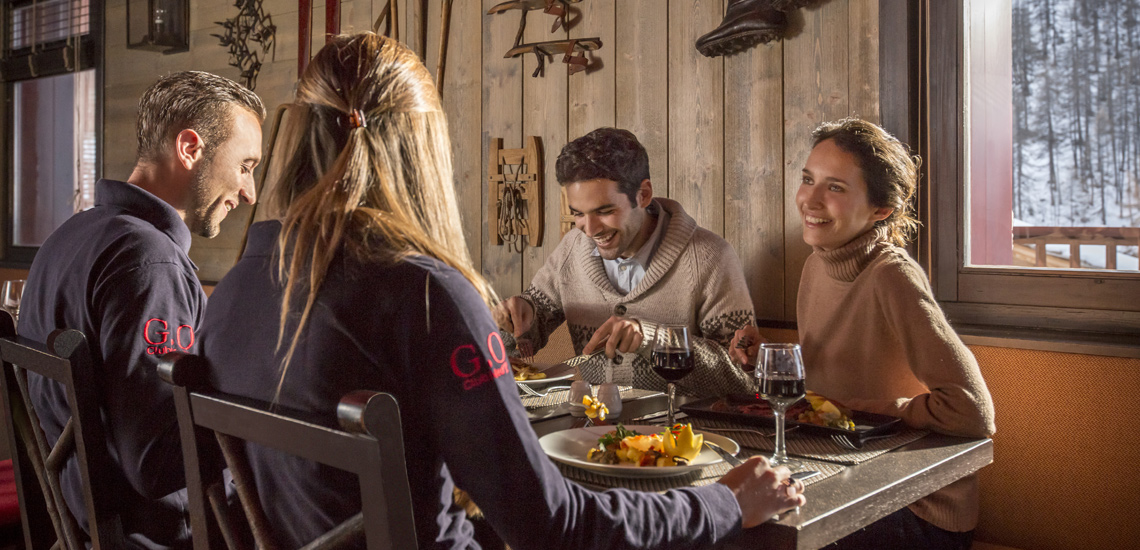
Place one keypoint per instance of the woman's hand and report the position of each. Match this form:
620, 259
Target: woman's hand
762, 491
514, 315
745, 345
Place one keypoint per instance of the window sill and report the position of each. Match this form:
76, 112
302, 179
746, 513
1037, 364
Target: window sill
1107, 345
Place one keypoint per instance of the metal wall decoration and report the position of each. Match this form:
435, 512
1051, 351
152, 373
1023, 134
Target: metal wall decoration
515, 181
251, 24
571, 50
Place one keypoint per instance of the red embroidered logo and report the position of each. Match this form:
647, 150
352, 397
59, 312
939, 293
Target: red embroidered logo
467, 364
156, 333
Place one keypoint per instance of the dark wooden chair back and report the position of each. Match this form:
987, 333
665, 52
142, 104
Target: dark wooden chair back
65, 359
370, 445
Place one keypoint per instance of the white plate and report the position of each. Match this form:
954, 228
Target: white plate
570, 446
554, 373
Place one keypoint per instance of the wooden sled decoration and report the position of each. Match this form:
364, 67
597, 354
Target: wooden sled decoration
565, 218
557, 8
571, 50
515, 180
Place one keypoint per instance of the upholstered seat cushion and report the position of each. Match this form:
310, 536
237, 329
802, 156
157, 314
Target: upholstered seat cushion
9, 503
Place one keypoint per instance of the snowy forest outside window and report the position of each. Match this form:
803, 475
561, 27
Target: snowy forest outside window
1032, 112
1054, 134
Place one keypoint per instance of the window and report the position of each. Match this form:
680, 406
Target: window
50, 90
1029, 229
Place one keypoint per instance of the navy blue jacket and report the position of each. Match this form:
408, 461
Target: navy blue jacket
120, 273
419, 330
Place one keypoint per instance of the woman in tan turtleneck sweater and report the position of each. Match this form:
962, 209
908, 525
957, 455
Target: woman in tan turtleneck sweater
873, 336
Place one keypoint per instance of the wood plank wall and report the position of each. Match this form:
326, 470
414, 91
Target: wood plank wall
727, 137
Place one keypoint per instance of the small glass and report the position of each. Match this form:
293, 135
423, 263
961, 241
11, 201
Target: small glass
673, 360
781, 374
578, 390
10, 297
610, 395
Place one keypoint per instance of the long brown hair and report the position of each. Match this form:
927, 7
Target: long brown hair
370, 174
889, 169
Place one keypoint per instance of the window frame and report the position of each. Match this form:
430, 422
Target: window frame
48, 60
1036, 303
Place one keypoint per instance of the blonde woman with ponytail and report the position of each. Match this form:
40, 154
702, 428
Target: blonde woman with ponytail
364, 282
873, 336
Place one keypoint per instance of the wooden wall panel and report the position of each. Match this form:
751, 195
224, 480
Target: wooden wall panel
726, 136
502, 118
544, 115
754, 172
864, 59
591, 100
816, 85
696, 123
462, 85
641, 70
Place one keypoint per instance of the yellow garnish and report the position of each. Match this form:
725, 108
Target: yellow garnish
685, 444
594, 409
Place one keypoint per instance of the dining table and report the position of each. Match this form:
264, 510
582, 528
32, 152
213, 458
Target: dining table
857, 486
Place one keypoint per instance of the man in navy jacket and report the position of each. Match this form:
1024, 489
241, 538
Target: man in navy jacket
120, 273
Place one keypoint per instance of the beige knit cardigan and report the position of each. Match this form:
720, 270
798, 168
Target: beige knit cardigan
694, 278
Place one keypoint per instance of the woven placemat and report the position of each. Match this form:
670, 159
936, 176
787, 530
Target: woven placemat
710, 474
812, 446
558, 397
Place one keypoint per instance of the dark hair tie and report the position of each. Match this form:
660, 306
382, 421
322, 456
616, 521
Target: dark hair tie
356, 119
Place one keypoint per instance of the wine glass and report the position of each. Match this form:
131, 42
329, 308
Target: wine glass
781, 374
10, 297
672, 359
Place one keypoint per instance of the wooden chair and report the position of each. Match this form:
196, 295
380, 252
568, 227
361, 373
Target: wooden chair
212, 423
65, 359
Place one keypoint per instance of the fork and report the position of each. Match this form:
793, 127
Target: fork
526, 350
846, 443
533, 392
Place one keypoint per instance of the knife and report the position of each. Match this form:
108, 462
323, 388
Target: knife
580, 359
806, 474
727, 456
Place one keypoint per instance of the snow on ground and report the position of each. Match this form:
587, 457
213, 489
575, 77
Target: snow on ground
1093, 256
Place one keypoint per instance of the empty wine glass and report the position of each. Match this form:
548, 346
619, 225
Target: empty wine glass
10, 297
781, 374
672, 359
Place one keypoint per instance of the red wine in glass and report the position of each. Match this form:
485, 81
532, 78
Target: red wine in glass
672, 358
673, 364
781, 377
782, 391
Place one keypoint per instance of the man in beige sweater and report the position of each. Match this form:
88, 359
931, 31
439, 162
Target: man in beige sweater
632, 263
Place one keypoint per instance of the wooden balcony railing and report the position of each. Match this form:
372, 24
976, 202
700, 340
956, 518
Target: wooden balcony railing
1074, 237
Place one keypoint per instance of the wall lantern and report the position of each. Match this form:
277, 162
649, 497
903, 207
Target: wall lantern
158, 25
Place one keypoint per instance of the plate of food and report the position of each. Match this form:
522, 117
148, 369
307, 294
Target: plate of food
537, 374
636, 451
815, 414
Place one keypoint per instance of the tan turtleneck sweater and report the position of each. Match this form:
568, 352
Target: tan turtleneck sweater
874, 338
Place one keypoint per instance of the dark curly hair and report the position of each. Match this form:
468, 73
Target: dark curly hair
890, 171
606, 153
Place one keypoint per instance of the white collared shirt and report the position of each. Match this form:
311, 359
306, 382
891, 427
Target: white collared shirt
626, 273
